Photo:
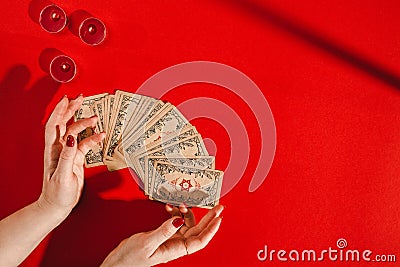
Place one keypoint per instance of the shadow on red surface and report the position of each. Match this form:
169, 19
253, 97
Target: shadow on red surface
22, 110
270, 16
96, 225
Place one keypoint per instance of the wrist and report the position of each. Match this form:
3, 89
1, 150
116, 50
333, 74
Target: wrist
57, 214
115, 258
112, 260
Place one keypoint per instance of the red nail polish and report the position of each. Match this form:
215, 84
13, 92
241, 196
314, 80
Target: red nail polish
178, 222
170, 206
70, 141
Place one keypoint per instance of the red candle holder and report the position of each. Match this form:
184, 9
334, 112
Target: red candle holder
59, 66
89, 29
49, 16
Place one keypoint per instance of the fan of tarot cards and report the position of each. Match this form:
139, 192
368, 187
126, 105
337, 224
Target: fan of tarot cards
157, 142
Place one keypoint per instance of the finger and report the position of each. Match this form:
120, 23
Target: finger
174, 211
90, 142
183, 208
199, 242
79, 173
211, 214
77, 127
73, 106
67, 156
169, 207
168, 251
77, 168
164, 232
188, 215
190, 219
79, 157
58, 112
54, 120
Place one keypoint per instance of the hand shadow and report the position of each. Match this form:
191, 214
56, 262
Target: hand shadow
96, 226
22, 109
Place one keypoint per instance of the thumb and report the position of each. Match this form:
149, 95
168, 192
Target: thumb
67, 157
165, 231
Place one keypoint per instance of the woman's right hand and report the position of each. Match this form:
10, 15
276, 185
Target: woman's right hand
64, 158
175, 238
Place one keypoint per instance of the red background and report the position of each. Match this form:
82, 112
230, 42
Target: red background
329, 70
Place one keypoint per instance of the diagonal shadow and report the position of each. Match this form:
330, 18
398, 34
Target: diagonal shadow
270, 16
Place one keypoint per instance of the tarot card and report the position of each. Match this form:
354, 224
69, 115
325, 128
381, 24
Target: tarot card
98, 109
183, 184
167, 123
144, 114
95, 156
200, 162
191, 146
149, 118
138, 163
117, 123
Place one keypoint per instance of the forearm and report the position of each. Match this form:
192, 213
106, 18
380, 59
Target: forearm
22, 231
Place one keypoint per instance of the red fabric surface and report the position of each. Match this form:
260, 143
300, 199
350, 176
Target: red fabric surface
330, 73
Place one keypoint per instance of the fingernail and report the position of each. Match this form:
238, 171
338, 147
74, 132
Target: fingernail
65, 96
81, 95
178, 222
70, 141
170, 206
